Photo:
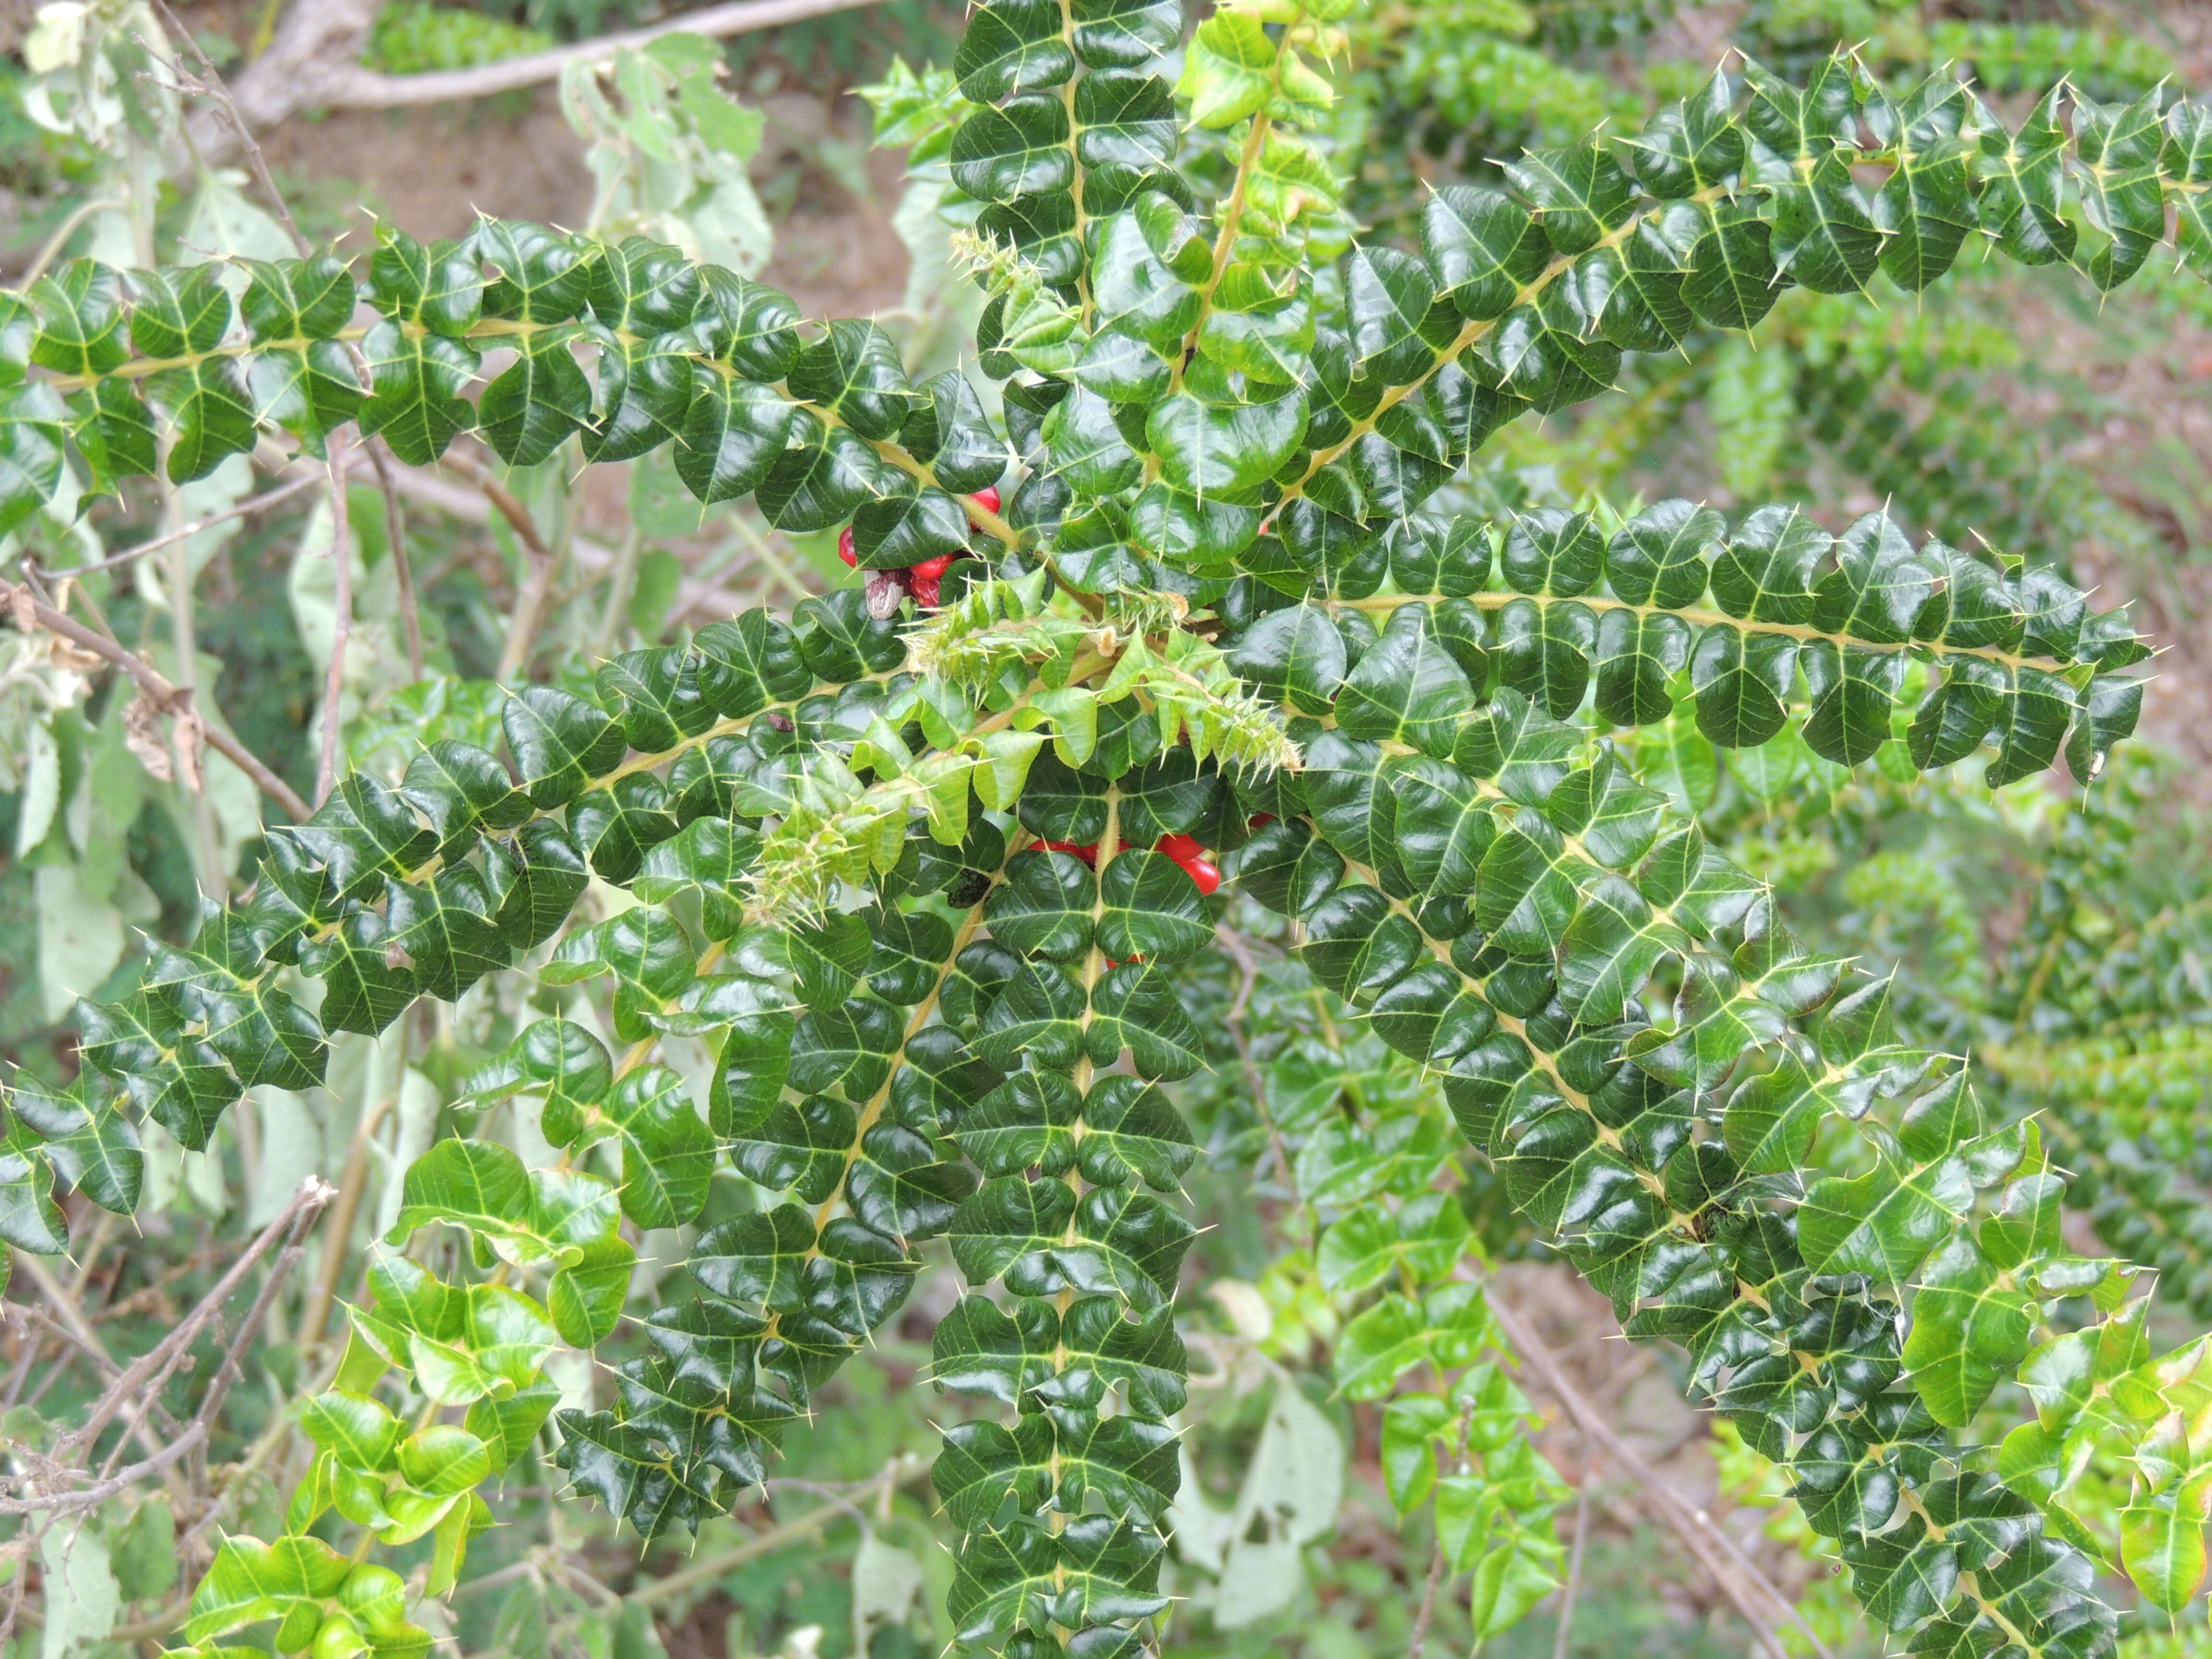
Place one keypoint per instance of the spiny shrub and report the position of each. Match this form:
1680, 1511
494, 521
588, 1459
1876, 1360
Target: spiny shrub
924, 878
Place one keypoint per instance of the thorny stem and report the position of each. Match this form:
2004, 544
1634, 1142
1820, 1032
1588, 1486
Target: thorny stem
1225, 243
1074, 140
1696, 617
213, 86
1232, 215
1474, 332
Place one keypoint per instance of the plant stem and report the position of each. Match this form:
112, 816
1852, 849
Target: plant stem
59, 240
395, 537
1573, 1585
184, 634
538, 579
185, 533
341, 623
159, 691
352, 1180
706, 1571
1419, 1643
1744, 1586
621, 580
213, 86
354, 88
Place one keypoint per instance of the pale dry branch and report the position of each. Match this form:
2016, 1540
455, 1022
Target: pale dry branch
143, 1381
314, 62
1749, 1590
395, 537
342, 622
157, 688
1418, 1644
696, 598
312, 1195
210, 85
1572, 1590
352, 1180
262, 502
530, 601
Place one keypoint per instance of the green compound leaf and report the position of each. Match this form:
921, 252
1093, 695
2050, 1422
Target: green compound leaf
288, 1581
415, 382
1448, 1328
1426, 1237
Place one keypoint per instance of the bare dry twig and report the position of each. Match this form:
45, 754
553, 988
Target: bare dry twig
342, 622
538, 579
168, 698
1420, 1644
1753, 1595
142, 1381
395, 537
212, 86
1572, 1588
314, 60
310, 1196
352, 1180
267, 499
314, 1193
1239, 950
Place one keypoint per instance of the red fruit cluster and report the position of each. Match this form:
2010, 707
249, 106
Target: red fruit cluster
921, 578
1183, 849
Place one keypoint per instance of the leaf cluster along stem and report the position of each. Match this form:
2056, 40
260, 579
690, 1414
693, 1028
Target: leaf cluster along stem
1472, 333
1701, 617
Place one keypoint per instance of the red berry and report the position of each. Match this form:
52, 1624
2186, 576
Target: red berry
1259, 818
986, 498
924, 589
846, 551
1182, 848
1088, 854
1204, 874
931, 569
